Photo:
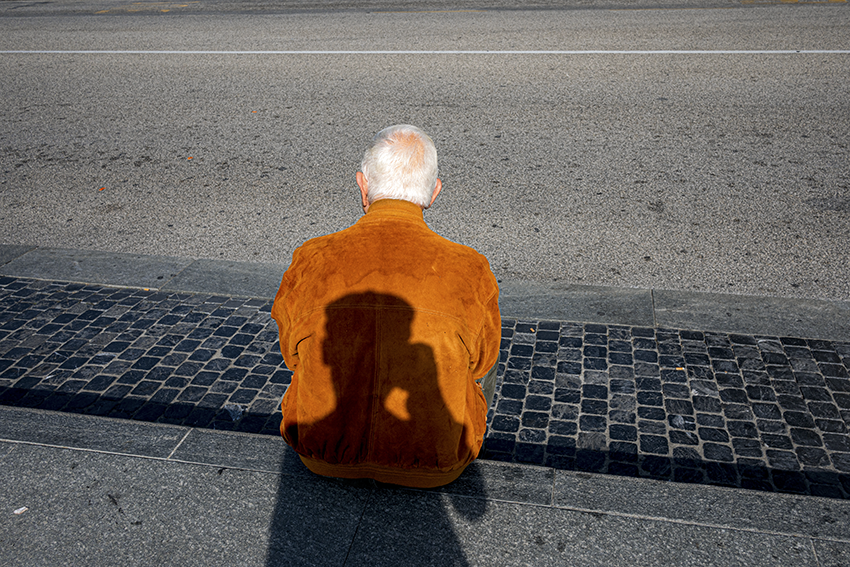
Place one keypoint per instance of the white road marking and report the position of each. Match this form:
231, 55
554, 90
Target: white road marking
443, 52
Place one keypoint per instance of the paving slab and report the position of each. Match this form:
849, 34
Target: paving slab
775, 316
712, 505
240, 450
10, 252
475, 532
243, 279
107, 268
832, 553
505, 482
87, 508
89, 432
567, 302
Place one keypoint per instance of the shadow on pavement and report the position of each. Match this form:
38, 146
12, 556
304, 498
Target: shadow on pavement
324, 521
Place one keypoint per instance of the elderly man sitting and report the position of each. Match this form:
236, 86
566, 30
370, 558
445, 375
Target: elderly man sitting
392, 333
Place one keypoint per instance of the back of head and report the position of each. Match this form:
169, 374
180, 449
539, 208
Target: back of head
401, 163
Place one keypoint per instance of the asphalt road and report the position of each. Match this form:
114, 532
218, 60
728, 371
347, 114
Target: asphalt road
693, 148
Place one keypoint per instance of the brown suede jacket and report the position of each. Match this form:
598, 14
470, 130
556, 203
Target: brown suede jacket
386, 326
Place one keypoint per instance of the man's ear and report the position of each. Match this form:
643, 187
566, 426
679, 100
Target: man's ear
364, 190
437, 188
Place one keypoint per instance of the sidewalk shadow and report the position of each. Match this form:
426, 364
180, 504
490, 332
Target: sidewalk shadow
326, 521
414, 425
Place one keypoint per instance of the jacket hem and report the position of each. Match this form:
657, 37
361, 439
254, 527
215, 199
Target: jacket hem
412, 478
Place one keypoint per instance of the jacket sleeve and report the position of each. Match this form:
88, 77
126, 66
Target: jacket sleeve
489, 338
281, 317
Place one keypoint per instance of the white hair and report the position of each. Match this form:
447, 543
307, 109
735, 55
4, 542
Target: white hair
401, 163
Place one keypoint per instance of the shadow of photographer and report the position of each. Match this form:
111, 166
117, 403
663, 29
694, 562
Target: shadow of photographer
405, 417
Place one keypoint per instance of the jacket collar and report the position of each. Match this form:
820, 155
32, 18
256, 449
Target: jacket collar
384, 208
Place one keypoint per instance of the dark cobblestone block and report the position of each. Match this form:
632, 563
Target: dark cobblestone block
514, 391
595, 364
558, 445
176, 382
519, 363
281, 377
707, 404
623, 432
812, 456
734, 396
747, 448
716, 452
165, 395
680, 407
99, 383
824, 410
234, 374
673, 375
243, 396
529, 453
511, 376
720, 473
809, 379
841, 461
509, 407
744, 429
507, 423
761, 393
685, 422
655, 467
676, 391
593, 422
523, 351
648, 384
766, 411
792, 403
786, 481
838, 443
696, 359
654, 444
777, 441
712, 434
831, 426
679, 437
539, 388
563, 428
647, 412
774, 358
770, 426
816, 394
593, 391
805, 437
535, 419
543, 373
650, 398
644, 369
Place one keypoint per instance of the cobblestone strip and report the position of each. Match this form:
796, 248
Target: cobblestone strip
197, 360
768, 413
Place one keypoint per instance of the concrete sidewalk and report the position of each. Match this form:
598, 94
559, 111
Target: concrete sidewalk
633, 383
80, 490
